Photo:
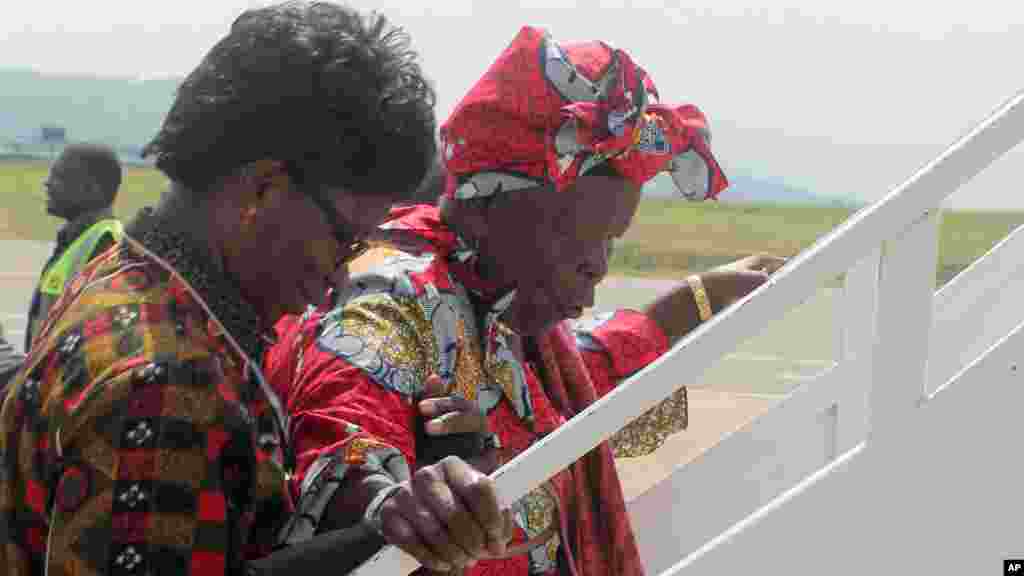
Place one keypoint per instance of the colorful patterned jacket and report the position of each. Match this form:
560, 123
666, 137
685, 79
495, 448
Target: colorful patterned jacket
137, 439
350, 379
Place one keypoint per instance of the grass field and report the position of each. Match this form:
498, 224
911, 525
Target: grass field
668, 237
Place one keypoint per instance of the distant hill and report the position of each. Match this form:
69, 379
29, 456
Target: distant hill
744, 189
126, 113
122, 112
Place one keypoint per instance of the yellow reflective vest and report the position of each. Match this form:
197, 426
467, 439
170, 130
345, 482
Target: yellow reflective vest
56, 276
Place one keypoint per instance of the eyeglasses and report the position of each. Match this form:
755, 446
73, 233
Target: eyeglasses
351, 246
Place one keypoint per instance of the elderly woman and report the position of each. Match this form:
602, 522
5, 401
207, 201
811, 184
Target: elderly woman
140, 437
546, 158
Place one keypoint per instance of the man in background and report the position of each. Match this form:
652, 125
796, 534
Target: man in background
80, 188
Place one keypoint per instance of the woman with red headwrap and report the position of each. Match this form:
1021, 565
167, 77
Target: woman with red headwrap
545, 157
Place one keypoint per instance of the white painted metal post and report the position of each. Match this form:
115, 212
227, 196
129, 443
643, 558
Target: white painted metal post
855, 316
903, 323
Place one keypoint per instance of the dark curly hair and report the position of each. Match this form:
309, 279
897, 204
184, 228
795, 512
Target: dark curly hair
99, 163
337, 95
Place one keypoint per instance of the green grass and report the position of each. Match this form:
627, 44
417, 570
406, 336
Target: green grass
673, 236
668, 238
965, 236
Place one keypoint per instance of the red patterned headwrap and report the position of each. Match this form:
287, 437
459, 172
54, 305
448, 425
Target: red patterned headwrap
548, 113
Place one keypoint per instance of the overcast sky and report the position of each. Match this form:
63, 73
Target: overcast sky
845, 98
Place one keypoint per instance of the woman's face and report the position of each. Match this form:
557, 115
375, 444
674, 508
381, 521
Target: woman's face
557, 247
289, 250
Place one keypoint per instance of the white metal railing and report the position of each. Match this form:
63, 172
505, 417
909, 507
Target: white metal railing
936, 495
976, 308
890, 247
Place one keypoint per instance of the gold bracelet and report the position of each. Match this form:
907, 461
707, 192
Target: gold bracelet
700, 295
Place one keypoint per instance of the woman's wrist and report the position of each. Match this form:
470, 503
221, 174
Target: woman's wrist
700, 297
718, 285
372, 515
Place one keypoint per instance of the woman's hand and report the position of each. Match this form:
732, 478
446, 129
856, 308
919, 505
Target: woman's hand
730, 282
446, 516
451, 415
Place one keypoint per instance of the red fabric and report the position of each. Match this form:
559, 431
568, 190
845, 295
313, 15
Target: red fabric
326, 394
629, 341
603, 542
604, 539
509, 120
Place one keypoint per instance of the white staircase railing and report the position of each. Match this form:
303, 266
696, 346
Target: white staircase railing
977, 308
888, 307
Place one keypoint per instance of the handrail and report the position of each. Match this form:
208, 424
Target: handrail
798, 280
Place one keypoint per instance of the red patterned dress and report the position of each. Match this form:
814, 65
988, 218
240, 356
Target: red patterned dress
350, 378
